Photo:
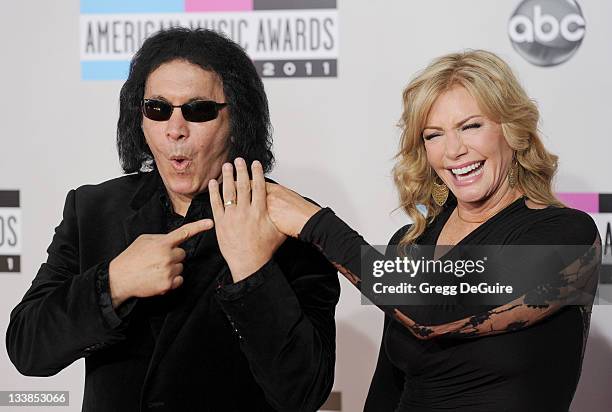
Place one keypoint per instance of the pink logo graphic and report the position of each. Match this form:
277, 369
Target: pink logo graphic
218, 5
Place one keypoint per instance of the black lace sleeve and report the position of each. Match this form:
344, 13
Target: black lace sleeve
575, 284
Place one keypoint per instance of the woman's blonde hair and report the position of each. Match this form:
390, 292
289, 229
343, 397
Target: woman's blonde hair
498, 93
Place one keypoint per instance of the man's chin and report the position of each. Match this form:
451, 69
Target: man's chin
182, 186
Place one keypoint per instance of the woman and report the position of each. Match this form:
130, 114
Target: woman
470, 153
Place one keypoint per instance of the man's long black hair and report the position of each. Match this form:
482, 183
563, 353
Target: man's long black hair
250, 130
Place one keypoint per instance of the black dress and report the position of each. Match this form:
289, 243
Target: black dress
532, 363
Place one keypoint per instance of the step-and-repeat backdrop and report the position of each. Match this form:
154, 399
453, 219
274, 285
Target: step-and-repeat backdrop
334, 72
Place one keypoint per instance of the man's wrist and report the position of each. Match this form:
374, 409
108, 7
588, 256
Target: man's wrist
117, 290
245, 268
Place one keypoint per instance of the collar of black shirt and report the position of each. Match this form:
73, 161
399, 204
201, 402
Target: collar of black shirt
198, 209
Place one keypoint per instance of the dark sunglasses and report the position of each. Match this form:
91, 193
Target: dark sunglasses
195, 111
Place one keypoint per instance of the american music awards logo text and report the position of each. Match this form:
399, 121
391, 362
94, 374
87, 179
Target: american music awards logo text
10, 232
297, 38
599, 206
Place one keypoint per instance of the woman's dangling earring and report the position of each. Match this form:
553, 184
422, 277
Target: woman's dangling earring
439, 193
513, 175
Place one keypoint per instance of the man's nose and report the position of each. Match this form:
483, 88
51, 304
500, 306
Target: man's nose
177, 125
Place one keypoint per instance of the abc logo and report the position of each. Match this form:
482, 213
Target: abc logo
547, 32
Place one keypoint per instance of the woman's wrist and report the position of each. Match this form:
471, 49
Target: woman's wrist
306, 233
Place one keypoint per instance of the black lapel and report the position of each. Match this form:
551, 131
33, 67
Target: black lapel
199, 272
148, 215
197, 291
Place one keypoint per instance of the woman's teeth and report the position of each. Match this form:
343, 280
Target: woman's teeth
468, 171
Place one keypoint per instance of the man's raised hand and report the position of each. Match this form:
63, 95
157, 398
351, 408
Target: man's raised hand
246, 235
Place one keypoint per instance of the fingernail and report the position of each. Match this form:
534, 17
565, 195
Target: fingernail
256, 163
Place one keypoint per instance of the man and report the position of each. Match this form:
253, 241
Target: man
136, 281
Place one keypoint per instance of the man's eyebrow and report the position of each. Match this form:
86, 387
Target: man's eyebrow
456, 125
192, 99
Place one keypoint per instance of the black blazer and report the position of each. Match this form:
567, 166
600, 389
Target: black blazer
266, 343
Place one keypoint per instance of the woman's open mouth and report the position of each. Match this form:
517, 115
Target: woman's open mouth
468, 172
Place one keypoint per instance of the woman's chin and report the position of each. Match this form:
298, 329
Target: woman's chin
465, 195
